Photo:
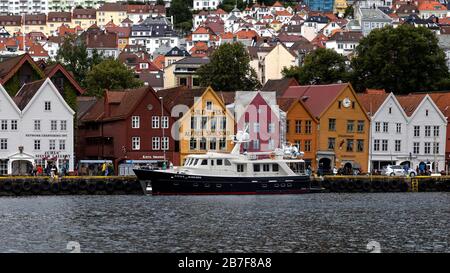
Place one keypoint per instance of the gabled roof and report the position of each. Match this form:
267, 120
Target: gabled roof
51, 70
316, 97
279, 86
126, 102
442, 101
10, 66
180, 95
28, 93
84, 104
371, 100
410, 102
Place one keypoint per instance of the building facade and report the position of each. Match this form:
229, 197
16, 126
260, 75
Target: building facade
343, 133
128, 127
36, 130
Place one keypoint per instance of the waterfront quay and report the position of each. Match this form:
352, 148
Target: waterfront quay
124, 185
69, 185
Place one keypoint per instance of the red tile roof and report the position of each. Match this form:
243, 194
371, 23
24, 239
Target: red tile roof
410, 102
431, 5
316, 97
371, 101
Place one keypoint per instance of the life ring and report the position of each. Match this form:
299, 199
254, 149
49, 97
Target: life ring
119, 185
64, 185
395, 184
91, 187
27, 186
17, 187
35, 187
109, 187
100, 185
54, 187
386, 185
376, 184
82, 185
73, 187
366, 186
350, 185
7, 185
359, 184
45, 185
326, 184
128, 187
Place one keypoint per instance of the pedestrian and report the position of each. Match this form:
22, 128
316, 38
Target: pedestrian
39, 170
104, 168
335, 170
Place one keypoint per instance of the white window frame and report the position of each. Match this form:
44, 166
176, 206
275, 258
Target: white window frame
135, 143
156, 143
155, 122
135, 122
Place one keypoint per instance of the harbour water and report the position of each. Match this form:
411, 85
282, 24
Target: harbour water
330, 222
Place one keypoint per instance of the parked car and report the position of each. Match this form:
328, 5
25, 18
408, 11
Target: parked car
398, 170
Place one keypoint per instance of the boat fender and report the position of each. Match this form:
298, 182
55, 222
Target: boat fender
27, 185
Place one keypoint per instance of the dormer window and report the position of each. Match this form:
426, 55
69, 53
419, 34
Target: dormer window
426, 112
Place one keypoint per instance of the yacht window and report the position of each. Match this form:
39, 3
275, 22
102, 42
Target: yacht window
219, 162
240, 168
196, 161
204, 162
264, 185
256, 168
265, 167
275, 167
227, 162
212, 162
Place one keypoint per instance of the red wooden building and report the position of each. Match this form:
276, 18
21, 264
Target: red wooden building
128, 128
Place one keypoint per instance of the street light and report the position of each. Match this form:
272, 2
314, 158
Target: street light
162, 126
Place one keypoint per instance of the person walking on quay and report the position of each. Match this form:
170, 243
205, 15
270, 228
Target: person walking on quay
104, 172
39, 170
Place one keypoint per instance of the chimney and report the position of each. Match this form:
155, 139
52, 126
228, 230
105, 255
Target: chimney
106, 105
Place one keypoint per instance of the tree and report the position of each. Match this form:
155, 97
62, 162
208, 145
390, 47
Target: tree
349, 11
322, 66
181, 12
229, 69
228, 5
74, 56
112, 75
160, 2
400, 60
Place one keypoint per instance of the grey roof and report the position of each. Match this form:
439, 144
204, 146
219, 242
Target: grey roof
374, 15
444, 41
318, 19
177, 52
193, 60
155, 80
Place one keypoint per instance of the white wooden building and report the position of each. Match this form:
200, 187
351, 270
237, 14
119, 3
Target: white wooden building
36, 129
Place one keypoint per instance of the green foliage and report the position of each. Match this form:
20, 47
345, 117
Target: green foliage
229, 69
181, 12
400, 60
228, 5
322, 66
160, 2
13, 85
74, 56
349, 11
112, 75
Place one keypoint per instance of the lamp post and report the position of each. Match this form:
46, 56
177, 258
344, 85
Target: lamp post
162, 127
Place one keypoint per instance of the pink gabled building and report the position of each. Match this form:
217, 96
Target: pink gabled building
258, 114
